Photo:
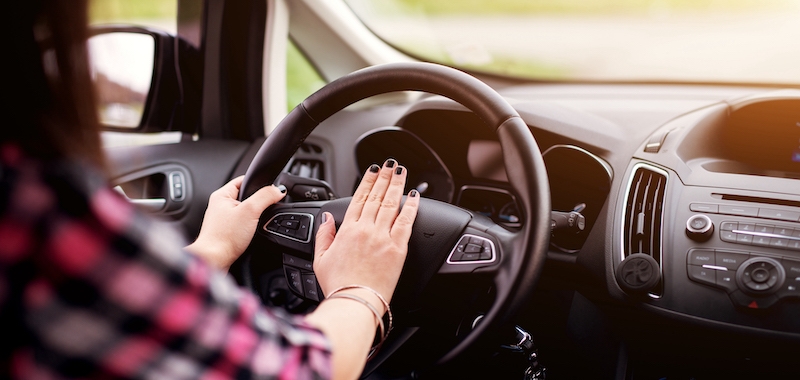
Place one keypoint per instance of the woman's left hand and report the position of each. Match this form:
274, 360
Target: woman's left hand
229, 225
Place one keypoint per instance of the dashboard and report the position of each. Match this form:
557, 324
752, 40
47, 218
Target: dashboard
698, 185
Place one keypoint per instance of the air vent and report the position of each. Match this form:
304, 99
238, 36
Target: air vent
644, 211
308, 169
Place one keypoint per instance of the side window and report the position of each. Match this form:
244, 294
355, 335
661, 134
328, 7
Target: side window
302, 79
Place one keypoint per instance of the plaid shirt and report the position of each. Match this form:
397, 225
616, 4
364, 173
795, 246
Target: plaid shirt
90, 288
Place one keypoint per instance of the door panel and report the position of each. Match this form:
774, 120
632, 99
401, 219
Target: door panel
184, 175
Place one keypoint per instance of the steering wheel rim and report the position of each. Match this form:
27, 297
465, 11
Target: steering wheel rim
521, 266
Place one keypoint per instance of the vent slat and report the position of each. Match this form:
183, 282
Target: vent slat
644, 214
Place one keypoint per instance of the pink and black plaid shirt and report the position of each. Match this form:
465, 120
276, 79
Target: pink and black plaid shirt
90, 288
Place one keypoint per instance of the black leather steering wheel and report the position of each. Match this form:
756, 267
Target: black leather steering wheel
518, 256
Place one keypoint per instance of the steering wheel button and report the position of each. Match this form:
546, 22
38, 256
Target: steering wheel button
293, 224
294, 279
473, 248
486, 255
310, 286
471, 257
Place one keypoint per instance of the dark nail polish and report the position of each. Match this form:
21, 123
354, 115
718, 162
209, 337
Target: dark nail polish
282, 189
390, 163
413, 193
399, 170
374, 168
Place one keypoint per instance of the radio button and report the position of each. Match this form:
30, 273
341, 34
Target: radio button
704, 207
744, 239
761, 241
738, 210
779, 243
701, 257
764, 228
779, 214
783, 231
728, 236
702, 275
727, 280
729, 226
730, 260
749, 227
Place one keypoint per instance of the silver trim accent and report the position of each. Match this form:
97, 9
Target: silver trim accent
625, 210
494, 252
714, 267
310, 226
764, 234
601, 161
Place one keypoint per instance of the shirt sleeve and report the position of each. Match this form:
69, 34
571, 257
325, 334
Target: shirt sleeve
110, 292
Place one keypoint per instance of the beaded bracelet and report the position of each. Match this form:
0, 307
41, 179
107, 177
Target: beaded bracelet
380, 297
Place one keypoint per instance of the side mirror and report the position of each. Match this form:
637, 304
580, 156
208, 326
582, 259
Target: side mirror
135, 78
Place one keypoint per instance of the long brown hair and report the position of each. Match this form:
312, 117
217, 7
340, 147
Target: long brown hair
51, 104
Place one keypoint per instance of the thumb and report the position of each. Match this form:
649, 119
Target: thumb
265, 197
325, 235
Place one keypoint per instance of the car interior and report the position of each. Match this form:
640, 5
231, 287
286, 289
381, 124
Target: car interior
604, 229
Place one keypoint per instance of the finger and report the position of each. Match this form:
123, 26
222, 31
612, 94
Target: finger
325, 235
391, 201
263, 198
230, 189
376, 195
362, 193
401, 229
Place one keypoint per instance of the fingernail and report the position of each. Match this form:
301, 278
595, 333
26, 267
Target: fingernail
374, 168
282, 189
399, 170
390, 163
413, 193
324, 217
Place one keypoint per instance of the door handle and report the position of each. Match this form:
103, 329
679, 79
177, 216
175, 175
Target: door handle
148, 204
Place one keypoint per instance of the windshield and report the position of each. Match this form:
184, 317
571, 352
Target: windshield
734, 41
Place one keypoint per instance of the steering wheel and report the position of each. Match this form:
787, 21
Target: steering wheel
442, 232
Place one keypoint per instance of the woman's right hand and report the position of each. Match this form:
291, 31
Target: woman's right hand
371, 245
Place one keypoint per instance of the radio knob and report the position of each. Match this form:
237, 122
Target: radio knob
699, 228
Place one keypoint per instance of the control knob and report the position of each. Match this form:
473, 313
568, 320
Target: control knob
699, 228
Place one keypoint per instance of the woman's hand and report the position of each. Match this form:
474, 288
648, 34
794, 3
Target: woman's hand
229, 225
369, 250
371, 246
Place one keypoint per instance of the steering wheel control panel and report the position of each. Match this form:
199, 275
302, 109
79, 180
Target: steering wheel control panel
751, 280
293, 226
300, 277
471, 249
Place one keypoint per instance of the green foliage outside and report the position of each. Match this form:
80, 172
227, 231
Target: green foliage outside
105, 11
302, 78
